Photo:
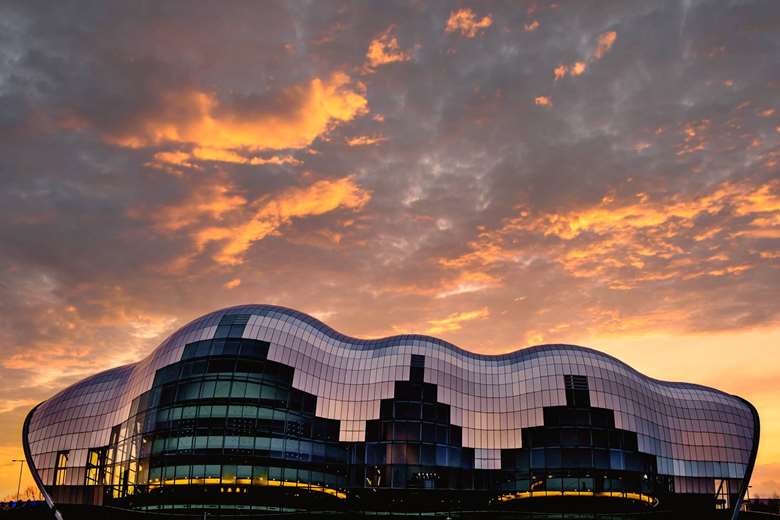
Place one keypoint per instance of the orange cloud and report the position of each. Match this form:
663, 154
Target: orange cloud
464, 282
232, 284
543, 101
181, 158
532, 26
465, 21
364, 140
468, 282
578, 68
218, 131
454, 321
613, 241
321, 197
695, 140
384, 49
209, 201
605, 42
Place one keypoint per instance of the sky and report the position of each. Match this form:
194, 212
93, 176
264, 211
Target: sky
497, 174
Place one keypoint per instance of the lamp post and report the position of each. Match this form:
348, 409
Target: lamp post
21, 466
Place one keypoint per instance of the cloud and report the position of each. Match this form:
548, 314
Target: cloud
455, 321
465, 21
209, 202
605, 42
364, 140
468, 282
543, 101
319, 198
220, 131
615, 241
232, 284
531, 26
463, 282
188, 159
578, 68
384, 49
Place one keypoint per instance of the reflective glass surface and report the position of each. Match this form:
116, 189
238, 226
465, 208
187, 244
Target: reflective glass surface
266, 397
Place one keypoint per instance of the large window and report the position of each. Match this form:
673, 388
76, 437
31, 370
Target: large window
96, 459
60, 468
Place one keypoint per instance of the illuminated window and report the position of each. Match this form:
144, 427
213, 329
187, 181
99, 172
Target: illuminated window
60, 468
722, 494
96, 458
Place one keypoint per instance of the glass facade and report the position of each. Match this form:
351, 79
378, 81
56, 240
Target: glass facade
263, 408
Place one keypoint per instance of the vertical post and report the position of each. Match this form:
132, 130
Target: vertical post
19, 485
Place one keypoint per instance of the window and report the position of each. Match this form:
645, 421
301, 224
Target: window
96, 459
722, 494
577, 393
60, 468
232, 325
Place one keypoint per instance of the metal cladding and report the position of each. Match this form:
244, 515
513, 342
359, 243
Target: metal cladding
260, 396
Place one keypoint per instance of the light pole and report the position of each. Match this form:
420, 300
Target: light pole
19, 486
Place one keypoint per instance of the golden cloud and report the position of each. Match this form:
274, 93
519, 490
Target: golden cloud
468, 282
543, 101
181, 158
613, 241
605, 42
216, 131
364, 140
210, 201
384, 49
232, 284
532, 26
321, 197
465, 21
578, 68
454, 321
464, 282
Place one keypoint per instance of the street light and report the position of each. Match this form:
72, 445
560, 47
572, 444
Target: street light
19, 486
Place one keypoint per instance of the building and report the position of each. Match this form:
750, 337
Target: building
262, 408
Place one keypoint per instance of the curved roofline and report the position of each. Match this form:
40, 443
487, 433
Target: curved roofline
333, 333
735, 513
31, 463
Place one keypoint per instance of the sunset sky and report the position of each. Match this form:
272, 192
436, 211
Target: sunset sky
497, 174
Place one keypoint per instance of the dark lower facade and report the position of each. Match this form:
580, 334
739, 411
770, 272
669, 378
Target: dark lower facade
230, 416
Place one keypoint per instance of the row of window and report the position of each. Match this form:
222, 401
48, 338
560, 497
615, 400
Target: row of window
568, 437
247, 411
240, 474
399, 477
275, 447
540, 458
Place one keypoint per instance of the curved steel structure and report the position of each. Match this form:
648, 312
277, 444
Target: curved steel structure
259, 407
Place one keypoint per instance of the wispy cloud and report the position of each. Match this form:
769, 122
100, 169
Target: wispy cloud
319, 198
467, 23
543, 101
385, 49
455, 321
578, 68
364, 140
